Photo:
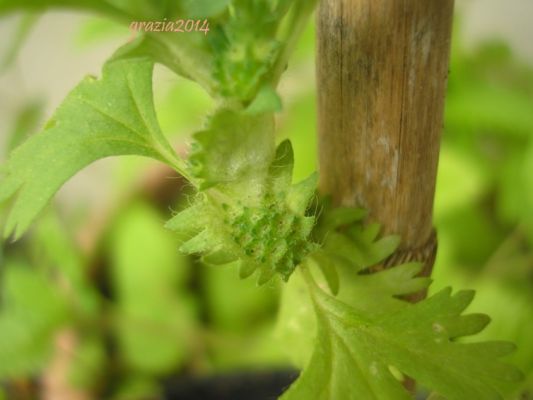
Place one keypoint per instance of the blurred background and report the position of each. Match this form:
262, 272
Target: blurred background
96, 298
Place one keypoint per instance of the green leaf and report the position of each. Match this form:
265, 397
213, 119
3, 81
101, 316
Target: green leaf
188, 57
377, 293
245, 48
99, 118
235, 147
296, 323
348, 241
248, 211
355, 350
341, 216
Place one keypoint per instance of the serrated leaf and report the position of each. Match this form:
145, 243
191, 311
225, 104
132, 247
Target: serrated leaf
247, 207
342, 216
198, 244
355, 349
219, 257
372, 294
187, 57
378, 293
99, 118
359, 248
234, 147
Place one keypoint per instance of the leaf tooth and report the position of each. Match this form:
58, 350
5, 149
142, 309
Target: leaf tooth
343, 216
198, 244
441, 296
280, 171
465, 325
401, 279
219, 257
265, 275
462, 299
188, 218
300, 194
247, 268
493, 348
408, 270
340, 246
279, 252
371, 232
383, 248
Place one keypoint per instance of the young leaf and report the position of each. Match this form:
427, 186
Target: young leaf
354, 351
236, 147
99, 118
187, 57
248, 210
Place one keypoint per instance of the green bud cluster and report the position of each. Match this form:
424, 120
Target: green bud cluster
274, 238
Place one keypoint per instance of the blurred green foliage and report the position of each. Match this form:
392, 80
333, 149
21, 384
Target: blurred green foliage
484, 199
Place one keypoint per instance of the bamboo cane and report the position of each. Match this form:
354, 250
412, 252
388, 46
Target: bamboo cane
382, 68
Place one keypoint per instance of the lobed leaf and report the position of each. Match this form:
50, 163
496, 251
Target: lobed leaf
355, 350
99, 118
247, 211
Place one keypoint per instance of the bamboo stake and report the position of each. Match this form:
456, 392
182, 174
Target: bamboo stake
382, 68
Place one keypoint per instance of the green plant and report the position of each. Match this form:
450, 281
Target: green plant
247, 212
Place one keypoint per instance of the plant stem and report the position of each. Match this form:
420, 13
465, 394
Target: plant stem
382, 68
300, 15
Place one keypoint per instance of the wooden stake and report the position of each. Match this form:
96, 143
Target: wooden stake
382, 68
